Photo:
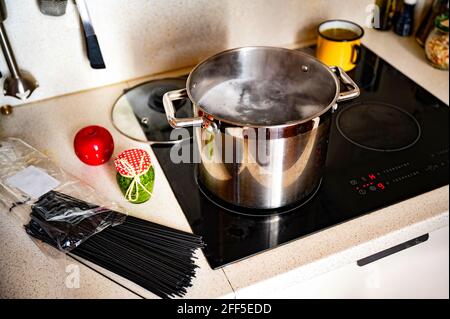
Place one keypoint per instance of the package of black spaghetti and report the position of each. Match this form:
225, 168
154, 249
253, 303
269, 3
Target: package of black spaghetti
66, 213
64, 210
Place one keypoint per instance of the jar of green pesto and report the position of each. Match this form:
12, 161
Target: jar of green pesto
135, 175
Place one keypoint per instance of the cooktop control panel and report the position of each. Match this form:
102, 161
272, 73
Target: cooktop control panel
389, 178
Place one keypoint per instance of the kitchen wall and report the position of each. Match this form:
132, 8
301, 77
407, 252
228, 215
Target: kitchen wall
142, 37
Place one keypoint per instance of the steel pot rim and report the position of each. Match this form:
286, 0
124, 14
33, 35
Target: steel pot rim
241, 124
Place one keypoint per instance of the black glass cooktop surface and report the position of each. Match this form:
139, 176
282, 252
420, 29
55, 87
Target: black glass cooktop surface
388, 145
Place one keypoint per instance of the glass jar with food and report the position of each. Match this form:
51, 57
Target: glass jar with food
436, 46
427, 25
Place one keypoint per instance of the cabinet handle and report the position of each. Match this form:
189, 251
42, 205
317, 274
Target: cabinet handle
390, 251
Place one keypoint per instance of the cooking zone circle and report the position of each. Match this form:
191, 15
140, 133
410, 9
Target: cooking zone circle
378, 126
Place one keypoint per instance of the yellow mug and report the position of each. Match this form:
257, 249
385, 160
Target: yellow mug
339, 43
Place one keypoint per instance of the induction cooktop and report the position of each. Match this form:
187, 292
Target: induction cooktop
388, 145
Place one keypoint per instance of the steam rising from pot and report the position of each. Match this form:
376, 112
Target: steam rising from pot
255, 88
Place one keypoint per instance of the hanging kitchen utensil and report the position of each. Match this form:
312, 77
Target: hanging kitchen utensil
53, 8
92, 46
20, 84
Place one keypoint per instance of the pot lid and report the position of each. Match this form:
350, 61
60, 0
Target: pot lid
263, 86
139, 112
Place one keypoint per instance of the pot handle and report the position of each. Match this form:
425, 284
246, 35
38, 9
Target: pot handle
346, 79
168, 99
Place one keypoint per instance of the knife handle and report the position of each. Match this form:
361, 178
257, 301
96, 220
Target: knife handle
92, 46
94, 52
3, 12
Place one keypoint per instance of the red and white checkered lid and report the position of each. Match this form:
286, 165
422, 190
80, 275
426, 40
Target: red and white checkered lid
133, 162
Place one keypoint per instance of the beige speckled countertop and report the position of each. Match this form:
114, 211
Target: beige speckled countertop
25, 271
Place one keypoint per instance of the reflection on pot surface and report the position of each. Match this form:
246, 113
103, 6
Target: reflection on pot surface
274, 172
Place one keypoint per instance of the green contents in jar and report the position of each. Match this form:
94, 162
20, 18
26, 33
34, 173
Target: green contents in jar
437, 44
137, 193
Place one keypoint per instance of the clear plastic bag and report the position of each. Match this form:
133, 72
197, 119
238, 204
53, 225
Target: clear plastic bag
64, 211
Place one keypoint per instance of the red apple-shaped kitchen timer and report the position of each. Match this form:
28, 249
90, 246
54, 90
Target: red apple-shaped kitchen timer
93, 145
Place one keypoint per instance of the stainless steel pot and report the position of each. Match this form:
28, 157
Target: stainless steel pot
263, 118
